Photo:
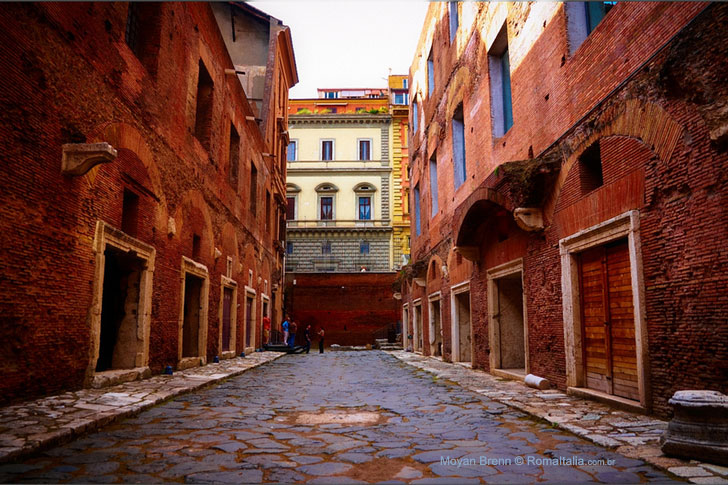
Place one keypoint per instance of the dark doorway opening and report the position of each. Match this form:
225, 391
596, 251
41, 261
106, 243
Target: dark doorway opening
248, 319
227, 299
192, 312
119, 310
510, 323
436, 338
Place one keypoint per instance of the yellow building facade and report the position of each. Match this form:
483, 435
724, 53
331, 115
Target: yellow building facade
345, 192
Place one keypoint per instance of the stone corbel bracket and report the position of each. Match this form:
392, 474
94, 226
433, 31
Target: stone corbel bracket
529, 219
79, 158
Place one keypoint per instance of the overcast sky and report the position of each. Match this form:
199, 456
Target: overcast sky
348, 43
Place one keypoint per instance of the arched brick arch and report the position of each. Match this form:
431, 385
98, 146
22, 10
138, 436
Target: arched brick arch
633, 118
131, 145
481, 205
434, 273
193, 216
122, 135
229, 245
457, 88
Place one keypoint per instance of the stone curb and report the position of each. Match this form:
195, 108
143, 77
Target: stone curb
185, 382
693, 470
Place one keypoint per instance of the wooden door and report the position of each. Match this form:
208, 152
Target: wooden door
607, 315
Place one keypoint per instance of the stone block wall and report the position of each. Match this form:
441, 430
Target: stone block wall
345, 256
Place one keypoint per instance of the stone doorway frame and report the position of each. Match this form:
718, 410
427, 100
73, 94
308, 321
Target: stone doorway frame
250, 293
625, 225
107, 235
231, 284
456, 290
494, 274
198, 270
431, 300
417, 313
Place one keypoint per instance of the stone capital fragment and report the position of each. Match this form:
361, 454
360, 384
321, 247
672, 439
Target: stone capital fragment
79, 158
699, 429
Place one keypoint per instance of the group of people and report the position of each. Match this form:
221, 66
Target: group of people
289, 327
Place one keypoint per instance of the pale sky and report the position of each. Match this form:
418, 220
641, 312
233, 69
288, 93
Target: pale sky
348, 43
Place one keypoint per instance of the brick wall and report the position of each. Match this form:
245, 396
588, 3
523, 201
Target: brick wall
69, 77
662, 153
350, 307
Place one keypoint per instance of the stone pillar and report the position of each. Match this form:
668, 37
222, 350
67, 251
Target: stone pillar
699, 429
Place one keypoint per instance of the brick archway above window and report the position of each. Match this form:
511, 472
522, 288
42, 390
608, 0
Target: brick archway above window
647, 122
482, 205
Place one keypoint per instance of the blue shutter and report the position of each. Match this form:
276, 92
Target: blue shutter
433, 186
458, 149
507, 105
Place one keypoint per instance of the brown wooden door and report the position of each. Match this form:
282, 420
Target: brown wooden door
607, 315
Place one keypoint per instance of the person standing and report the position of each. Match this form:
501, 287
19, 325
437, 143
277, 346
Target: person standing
321, 340
307, 334
292, 329
284, 327
266, 330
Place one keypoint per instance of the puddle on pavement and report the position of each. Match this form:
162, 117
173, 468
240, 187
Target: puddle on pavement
367, 418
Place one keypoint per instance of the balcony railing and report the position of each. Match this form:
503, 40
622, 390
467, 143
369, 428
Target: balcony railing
337, 223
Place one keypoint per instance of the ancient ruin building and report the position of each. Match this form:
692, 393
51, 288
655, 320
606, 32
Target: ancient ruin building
143, 188
568, 195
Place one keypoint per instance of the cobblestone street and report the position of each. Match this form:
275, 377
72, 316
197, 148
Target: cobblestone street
340, 417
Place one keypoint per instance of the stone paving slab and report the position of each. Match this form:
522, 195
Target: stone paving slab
30, 426
630, 434
259, 427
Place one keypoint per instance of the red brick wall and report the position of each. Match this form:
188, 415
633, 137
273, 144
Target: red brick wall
657, 157
350, 307
69, 77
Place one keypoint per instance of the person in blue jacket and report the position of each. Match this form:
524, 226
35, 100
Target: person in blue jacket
284, 326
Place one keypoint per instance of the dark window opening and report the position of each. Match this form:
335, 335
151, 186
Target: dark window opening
130, 213
290, 208
267, 211
289, 247
142, 34
365, 208
234, 166
417, 210
327, 150
196, 246
364, 247
253, 188
595, 12
326, 247
590, 169
327, 208
365, 150
203, 113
